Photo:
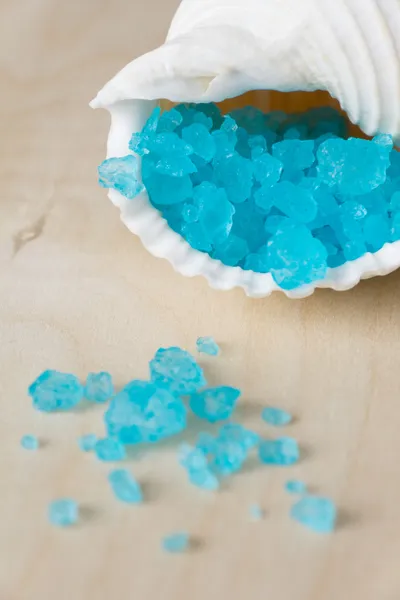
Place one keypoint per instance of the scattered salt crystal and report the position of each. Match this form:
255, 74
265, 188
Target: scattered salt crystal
29, 442
99, 387
283, 451
109, 449
63, 512
207, 345
276, 416
176, 542
54, 390
214, 404
316, 513
87, 442
125, 486
295, 487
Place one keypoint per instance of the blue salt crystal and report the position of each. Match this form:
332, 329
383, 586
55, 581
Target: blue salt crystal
99, 387
176, 542
197, 236
376, 231
207, 345
125, 486
353, 249
296, 258
169, 121
215, 211
257, 262
237, 433
277, 223
224, 144
121, 174
200, 139
109, 449
296, 203
296, 155
139, 141
176, 370
283, 451
267, 169
54, 390
352, 166
152, 122
29, 442
232, 251
263, 198
235, 174
195, 462
87, 442
190, 213
169, 145
316, 513
165, 190
293, 486
276, 416
214, 404
206, 443
63, 512
256, 512
145, 412
175, 166
229, 455
248, 224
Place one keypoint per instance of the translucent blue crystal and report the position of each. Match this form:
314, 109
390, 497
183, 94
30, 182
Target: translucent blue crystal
63, 512
169, 121
121, 174
175, 166
215, 211
267, 169
276, 416
237, 433
195, 462
99, 387
200, 139
235, 174
30, 442
256, 512
176, 370
293, 486
229, 455
197, 236
214, 404
207, 345
109, 449
176, 542
125, 486
87, 442
296, 155
232, 251
145, 412
296, 203
283, 451
54, 390
316, 513
165, 190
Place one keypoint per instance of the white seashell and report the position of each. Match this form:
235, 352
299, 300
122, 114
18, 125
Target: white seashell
218, 49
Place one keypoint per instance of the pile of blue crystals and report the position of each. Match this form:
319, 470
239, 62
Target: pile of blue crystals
160, 407
271, 193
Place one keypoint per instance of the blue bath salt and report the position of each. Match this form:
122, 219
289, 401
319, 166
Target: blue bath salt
176, 370
176, 542
109, 450
316, 513
214, 404
54, 390
283, 451
125, 487
293, 486
99, 387
63, 512
195, 462
87, 442
207, 345
256, 512
286, 195
29, 442
143, 412
276, 416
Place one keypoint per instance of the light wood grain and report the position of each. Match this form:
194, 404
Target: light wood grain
78, 293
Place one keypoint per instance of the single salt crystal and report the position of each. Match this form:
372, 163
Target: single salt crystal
295, 202
256, 512
235, 174
194, 461
87, 442
231, 251
376, 231
267, 169
99, 387
296, 155
207, 345
229, 455
176, 542
165, 190
214, 404
54, 390
200, 139
296, 258
295, 487
175, 166
206, 443
29, 442
109, 450
125, 486
63, 512
257, 262
176, 370
197, 236
276, 416
352, 166
121, 174
235, 432
215, 211
316, 513
283, 451
169, 121
144, 412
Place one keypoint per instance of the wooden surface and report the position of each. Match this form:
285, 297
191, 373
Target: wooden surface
79, 293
